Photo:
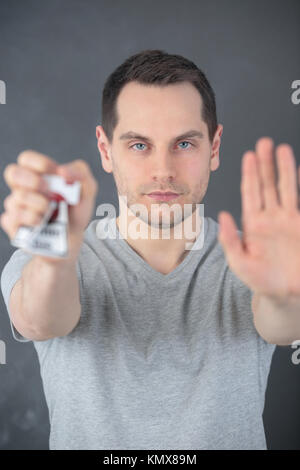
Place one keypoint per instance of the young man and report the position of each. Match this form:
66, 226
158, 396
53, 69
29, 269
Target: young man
144, 343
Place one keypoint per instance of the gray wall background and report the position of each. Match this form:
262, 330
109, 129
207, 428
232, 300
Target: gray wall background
55, 57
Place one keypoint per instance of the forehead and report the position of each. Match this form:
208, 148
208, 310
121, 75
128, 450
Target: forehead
154, 104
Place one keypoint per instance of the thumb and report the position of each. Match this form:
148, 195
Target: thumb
70, 172
79, 170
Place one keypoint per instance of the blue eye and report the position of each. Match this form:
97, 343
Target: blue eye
140, 143
137, 144
186, 142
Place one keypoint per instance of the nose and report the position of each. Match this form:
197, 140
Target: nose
163, 167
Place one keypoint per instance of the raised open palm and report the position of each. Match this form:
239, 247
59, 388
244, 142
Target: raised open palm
267, 258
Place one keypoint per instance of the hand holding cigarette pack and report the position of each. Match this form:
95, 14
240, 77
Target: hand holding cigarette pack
49, 238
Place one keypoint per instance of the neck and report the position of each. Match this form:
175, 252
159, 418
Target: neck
163, 253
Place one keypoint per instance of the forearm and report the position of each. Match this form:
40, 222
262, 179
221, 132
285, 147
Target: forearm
48, 298
277, 321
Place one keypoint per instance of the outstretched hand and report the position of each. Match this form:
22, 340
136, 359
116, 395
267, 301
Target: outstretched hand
267, 258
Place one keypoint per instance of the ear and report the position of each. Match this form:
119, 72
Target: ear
104, 148
215, 148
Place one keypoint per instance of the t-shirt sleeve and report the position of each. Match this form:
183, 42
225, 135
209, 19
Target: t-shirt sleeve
10, 274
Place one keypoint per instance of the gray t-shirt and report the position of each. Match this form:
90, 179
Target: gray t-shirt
156, 361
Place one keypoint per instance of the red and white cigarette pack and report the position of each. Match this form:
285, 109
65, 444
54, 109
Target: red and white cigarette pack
49, 238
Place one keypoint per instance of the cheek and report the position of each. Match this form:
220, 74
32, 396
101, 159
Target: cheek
131, 174
193, 170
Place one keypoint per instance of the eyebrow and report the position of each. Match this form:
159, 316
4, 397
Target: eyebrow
133, 135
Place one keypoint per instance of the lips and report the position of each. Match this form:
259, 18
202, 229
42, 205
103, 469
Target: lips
159, 193
159, 196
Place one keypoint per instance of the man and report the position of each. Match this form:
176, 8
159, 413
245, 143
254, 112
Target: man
150, 342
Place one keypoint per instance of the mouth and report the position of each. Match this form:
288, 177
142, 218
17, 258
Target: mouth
163, 196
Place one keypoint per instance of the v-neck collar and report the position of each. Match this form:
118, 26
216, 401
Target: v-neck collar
196, 253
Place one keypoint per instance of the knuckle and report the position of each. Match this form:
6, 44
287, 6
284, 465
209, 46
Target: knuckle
23, 156
30, 217
6, 202
5, 223
20, 195
9, 170
15, 215
3, 219
32, 200
37, 161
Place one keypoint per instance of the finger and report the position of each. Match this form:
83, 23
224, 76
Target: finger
230, 240
11, 221
8, 225
37, 161
19, 177
79, 170
288, 188
264, 150
299, 187
251, 192
26, 199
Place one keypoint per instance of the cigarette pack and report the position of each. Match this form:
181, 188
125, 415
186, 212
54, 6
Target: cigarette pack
49, 238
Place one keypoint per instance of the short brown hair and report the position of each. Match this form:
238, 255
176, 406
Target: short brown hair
154, 66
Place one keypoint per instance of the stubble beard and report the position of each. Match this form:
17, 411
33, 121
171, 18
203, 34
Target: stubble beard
158, 221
